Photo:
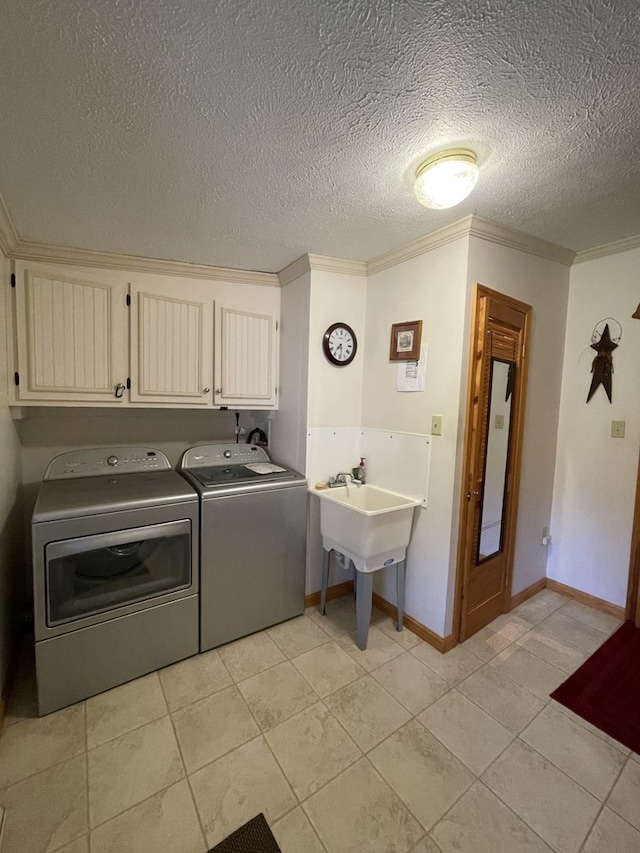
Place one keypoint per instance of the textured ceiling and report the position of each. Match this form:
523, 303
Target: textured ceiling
245, 133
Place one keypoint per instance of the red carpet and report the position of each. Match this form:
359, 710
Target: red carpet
605, 691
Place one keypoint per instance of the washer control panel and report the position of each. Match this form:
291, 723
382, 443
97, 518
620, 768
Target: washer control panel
206, 455
93, 462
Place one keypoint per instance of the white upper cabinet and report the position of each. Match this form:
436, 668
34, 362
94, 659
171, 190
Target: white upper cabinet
245, 358
71, 337
171, 345
96, 337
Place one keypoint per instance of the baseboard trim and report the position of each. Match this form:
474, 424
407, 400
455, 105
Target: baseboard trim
335, 591
442, 644
586, 598
528, 592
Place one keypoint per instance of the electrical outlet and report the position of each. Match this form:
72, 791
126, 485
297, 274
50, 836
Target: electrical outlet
436, 424
499, 421
617, 429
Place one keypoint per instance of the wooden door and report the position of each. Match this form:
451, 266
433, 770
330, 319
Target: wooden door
633, 591
71, 337
171, 345
246, 358
493, 440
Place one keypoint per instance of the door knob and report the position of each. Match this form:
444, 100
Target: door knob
206, 390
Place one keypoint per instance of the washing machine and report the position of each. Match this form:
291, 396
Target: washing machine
115, 571
253, 533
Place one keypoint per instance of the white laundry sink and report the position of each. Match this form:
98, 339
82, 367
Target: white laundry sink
372, 526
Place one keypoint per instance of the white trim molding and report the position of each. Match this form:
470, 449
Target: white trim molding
294, 270
486, 229
431, 241
28, 251
13, 247
8, 234
614, 248
473, 226
320, 262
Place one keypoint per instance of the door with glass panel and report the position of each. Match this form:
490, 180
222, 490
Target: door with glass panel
493, 443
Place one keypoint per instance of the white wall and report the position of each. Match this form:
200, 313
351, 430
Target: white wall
430, 288
334, 403
544, 285
45, 432
12, 590
288, 437
335, 393
595, 475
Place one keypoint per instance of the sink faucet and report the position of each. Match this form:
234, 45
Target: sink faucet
340, 480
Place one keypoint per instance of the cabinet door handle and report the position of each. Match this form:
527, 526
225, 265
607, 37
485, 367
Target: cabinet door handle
218, 390
206, 390
120, 389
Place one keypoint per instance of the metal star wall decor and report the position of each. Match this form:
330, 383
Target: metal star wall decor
602, 365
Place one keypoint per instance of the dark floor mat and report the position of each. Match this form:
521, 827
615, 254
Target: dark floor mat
253, 837
605, 691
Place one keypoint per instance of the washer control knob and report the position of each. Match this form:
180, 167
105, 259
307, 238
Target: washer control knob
227, 454
112, 460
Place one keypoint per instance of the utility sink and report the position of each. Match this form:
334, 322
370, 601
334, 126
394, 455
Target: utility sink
372, 526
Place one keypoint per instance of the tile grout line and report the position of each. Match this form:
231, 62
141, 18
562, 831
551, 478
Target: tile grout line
228, 752
606, 801
184, 766
86, 776
603, 805
49, 766
522, 818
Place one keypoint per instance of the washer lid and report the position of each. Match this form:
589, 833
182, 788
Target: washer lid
217, 475
225, 468
80, 496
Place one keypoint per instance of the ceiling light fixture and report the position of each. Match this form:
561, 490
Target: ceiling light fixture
446, 179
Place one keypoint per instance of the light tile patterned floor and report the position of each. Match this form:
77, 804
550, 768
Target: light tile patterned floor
396, 749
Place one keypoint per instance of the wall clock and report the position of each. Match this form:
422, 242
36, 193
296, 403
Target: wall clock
339, 344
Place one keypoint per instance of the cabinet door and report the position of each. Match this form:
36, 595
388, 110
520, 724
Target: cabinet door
247, 358
171, 346
71, 337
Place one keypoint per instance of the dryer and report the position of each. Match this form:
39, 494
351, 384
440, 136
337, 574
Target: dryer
115, 571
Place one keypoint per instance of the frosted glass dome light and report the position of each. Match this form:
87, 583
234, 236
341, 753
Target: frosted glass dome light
446, 179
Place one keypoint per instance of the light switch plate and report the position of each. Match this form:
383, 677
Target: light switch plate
499, 421
617, 429
436, 424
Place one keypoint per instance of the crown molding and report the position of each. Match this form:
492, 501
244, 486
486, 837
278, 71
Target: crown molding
473, 226
485, 229
428, 243
339, 265
294, 270
606, 249
28, 251
325, 263
8, 233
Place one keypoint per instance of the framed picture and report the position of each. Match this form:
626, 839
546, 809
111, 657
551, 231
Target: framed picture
405, 341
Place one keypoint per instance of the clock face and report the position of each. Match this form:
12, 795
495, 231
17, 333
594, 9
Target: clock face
340, 344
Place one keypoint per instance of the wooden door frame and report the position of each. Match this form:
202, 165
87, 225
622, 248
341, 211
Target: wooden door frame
633, 590
480, 291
